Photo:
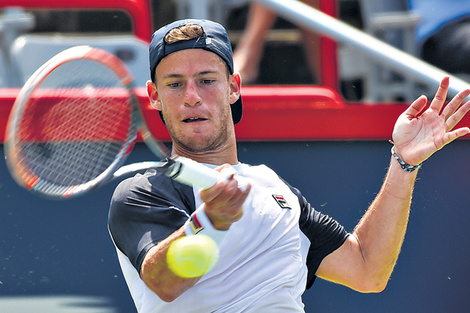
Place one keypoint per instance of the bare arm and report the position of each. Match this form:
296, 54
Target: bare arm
223, 205
366, 260
249, 49
158, 277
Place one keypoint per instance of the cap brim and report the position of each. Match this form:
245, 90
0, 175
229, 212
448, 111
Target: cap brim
237, 110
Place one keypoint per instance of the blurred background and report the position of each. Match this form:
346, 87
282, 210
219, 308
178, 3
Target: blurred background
328, 103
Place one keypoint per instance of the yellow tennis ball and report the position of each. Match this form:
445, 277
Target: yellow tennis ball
192, 256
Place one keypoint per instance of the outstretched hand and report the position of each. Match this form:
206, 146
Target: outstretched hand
418, 134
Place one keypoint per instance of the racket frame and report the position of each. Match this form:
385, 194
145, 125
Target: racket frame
37, 185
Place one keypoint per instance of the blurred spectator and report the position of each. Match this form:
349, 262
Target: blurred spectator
249, 50
444, 34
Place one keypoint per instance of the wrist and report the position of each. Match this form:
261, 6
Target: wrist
199, 223
405, 166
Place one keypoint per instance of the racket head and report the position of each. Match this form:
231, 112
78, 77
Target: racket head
73, 123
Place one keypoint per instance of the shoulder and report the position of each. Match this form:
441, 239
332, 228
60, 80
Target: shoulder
151, 188
150, 194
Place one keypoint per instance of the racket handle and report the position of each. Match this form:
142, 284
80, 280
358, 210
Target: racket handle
191, 173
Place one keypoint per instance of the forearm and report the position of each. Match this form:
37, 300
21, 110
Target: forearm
156, 274
260, 20
381, 231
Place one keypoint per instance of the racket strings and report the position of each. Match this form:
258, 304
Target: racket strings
72, 135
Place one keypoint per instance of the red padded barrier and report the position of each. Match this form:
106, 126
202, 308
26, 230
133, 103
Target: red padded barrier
138, 10
283, 113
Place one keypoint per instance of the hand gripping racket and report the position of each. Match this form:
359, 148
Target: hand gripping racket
75, 121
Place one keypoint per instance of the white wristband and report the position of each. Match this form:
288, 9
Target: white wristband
199, 223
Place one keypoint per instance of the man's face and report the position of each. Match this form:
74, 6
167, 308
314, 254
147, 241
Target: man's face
194, 94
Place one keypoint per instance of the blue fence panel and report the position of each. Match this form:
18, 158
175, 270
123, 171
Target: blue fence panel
61, 251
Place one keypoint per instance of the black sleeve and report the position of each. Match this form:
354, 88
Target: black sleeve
324, 233
146, 209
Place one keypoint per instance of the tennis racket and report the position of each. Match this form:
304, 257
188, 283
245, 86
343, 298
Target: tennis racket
76, 120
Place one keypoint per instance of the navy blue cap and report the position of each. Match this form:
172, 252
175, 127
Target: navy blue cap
215, 39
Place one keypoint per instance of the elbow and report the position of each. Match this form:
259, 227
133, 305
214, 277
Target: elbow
167, 286
372, 285
167, 296
164, 292
376, 288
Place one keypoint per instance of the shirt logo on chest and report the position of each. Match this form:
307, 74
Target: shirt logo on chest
281, 201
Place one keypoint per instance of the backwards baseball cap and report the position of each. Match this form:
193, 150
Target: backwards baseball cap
214, 39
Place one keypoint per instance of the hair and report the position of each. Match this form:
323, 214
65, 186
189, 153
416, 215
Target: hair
184, 32
187, 32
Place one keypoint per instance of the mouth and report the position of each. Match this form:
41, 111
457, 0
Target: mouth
194, 119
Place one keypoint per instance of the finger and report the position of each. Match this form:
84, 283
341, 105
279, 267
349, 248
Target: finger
451, 136
211, 194
233, 196
455, 103
416, 107
218, 197
456, 117
239, 198
233, 207
441, 95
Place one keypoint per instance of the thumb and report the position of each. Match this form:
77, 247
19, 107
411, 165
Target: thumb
416, 107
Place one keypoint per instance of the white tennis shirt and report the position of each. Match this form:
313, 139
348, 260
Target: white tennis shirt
267, 260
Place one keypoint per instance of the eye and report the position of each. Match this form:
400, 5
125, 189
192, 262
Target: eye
208, 81
174, 84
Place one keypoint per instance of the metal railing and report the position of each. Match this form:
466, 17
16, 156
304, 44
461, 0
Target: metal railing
381, 52
13, 22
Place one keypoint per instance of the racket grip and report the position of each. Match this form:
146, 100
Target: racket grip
191, 173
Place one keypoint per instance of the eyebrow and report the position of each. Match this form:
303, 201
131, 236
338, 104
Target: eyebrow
175, 75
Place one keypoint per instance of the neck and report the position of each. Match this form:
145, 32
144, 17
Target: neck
225, 154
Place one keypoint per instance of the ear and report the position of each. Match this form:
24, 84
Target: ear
235, 87
152, 93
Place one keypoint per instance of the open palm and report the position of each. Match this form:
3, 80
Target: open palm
418, 134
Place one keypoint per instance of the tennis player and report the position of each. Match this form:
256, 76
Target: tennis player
272, 243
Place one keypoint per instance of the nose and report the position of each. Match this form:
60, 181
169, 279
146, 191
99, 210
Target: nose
192, 97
